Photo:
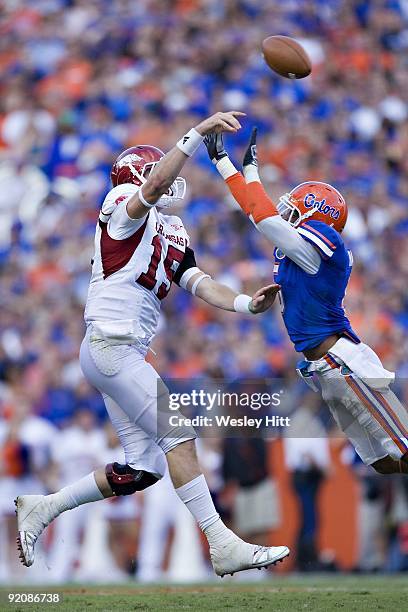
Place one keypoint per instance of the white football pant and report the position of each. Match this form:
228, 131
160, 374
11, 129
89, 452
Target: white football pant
133, 391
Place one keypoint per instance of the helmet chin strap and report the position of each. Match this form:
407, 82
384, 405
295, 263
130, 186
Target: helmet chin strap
307, 214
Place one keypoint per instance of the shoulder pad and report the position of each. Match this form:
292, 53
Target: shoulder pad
117, 195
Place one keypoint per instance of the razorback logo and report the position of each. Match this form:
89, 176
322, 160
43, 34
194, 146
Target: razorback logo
176, 227
132, 158
311, 202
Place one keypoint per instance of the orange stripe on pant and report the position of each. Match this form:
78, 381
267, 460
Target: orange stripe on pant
390, 411
377, 417
332, 363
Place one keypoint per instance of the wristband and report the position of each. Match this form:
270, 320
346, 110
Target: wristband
226, 168
190, 142
241, 304
198, 281
251, 174
143, 201
187, 275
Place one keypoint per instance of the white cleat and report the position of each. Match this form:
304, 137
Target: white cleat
237, 555
33, 516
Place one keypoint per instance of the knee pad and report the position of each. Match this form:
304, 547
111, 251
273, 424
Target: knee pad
124, 480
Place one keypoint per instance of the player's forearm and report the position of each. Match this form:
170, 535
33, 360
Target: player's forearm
163, 176
262, 207
248, 192
235, 183
170, 165
216, 294
220, 296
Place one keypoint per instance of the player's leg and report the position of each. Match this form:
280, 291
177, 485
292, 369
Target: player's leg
35, 512
395, 416
145, 462
387, 422
144, 465
228, 552
388, 465
375, 422
141, 394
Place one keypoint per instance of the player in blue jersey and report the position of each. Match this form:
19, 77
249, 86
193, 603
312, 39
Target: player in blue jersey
313, 266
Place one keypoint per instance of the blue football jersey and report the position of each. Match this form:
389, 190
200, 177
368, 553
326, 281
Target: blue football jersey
312, 304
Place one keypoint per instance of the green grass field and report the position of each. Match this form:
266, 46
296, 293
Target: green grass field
312, 593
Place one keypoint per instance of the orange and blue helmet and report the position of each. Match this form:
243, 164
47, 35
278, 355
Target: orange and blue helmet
314, 200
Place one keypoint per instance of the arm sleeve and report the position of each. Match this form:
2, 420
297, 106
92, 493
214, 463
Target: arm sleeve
251, 197
186, 264
256, 203
291, 243
238, 188
114, 212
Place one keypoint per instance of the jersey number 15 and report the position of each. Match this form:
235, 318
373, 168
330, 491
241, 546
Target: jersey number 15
148, 279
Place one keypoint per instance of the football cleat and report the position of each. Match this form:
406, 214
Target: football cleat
237, 555
33, 516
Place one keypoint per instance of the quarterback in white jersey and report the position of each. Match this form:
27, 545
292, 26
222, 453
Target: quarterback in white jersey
128, 283
139, 251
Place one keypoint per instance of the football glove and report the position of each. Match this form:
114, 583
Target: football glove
215, 147
250, 157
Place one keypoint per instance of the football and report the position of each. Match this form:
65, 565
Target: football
286, 57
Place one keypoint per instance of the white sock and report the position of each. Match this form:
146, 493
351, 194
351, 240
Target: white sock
218, 534
196, 496
80, 492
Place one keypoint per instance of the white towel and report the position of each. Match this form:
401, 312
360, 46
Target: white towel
124, 331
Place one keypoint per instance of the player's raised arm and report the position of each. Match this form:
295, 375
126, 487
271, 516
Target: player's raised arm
233, 178
251, 196
160, 181
197, 282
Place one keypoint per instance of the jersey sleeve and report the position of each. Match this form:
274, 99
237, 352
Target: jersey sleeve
186, 264
326, 240
287, 239
114, 212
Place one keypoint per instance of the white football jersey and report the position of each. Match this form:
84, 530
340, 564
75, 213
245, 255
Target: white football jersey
132, 268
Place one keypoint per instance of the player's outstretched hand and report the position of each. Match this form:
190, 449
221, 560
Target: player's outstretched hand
251, 157
220, 122
264, 298
215, 147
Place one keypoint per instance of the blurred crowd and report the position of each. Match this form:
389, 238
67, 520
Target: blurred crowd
83, 79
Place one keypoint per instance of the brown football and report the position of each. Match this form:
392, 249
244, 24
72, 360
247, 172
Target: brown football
286, 56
